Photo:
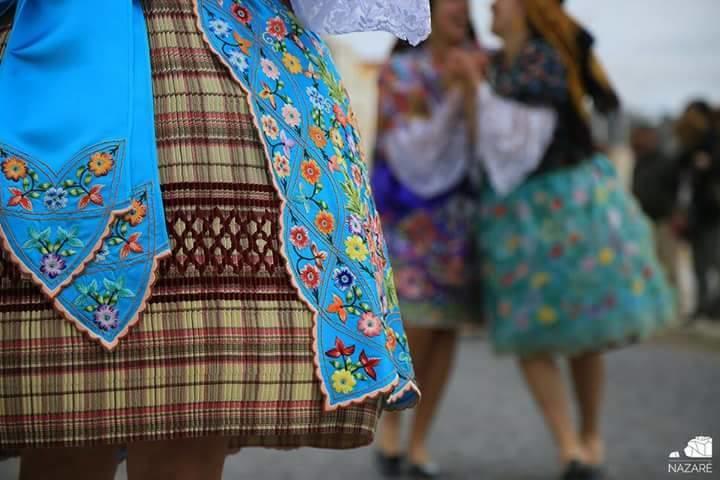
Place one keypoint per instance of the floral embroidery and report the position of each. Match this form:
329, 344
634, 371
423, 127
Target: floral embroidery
54, 251
347, 372
15, 169
102, 302
332, 238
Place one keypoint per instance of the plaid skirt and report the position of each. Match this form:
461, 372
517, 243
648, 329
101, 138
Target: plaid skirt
224, 347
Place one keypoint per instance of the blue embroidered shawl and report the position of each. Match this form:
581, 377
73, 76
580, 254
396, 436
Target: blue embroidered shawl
81, 210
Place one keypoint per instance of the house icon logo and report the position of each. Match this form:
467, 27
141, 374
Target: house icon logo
696, 457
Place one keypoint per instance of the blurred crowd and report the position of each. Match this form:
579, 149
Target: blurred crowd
677, 183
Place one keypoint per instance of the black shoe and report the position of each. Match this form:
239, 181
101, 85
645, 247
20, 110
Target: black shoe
579, 471
390, 466
429, 470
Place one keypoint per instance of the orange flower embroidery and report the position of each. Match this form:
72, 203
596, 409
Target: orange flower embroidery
325, 222
101, 163
14, 169
19, 198
136, 214
131, 245
337, 307
243, 43
310, 171
93, 196
391, 342
318, 137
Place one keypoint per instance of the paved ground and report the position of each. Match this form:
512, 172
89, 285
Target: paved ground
659, 396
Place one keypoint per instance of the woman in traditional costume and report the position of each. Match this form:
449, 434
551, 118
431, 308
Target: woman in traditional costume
421, 183
569, 263
192, 255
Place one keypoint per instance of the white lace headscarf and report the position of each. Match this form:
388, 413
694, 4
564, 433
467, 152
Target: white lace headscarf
406, 19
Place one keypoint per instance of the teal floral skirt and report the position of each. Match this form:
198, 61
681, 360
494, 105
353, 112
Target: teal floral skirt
569, 265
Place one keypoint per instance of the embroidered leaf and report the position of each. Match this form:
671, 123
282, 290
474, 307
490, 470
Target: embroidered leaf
45, 234
87, 180
83, 289
32, 243
109, 284
126, 293
76, 192
68, 183
44, 250
349, 296
80, 171
44, 186
76, 242
365, 307
68, 253
62, 234
34, 195
26, 182
93, 286
124, 228
34, 175
120, 283
352, 310
90, 308
358, 291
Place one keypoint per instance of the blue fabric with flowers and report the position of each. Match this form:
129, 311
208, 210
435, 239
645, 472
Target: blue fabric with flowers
80, 205
331, 234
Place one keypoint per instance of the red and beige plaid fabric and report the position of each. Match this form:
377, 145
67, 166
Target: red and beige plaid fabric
225, 345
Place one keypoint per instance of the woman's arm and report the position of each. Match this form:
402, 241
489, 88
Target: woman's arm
425, 148
406, 19
512, 138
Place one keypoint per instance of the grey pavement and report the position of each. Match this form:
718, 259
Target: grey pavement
659, 396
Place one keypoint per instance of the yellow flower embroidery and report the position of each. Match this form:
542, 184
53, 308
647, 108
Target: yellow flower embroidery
15, 169
100, 164
606, 256
638, 287
343, 381
539, 280
547, 316
356, 249
292, 63
601, 194
336, 138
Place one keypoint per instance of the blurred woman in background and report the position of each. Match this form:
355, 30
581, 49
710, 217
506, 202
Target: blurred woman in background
569, 266
420, 180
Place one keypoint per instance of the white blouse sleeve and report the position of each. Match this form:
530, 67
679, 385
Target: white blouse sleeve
406, 19
512, 138
429, 156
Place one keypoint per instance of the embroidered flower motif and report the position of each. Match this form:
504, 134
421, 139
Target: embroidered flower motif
276, 28
369, 364
270, 69
93, 196
390, 341
101, 163
336, 138
241, 14
547, 315
343, 381
56, 198
292, 63
219, 27
281, 165
270, 127
15, 169
370, 325
102, 255
310, 171
291, 115
310, 276
52, 265
242, 43
325, 222
318, 137
606, 256
136, 214
338, 307
287, 142
340, 350
238, 60
343, 278
131, 246
336, 163
357, 175
355, 248
316, 98
354, 225
299, 237
340, 115
319, 256
106, 317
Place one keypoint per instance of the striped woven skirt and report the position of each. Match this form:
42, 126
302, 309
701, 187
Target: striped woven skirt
224, 347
